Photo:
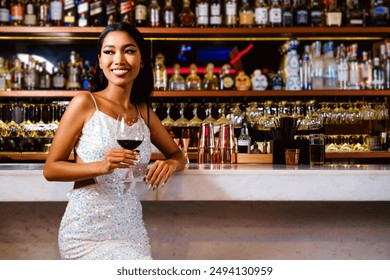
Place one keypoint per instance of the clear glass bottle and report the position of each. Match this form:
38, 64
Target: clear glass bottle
176, 81
43, 7
275, 14
334, 14
17, 12
287, 14
385, 62
70, 12
169, 14
30, 15
160, 73
342, 67
365, 71
186, 16
4, 13
83, 13
210, 80
154, 14
59, 76
301, 13
44, 77
17, 75
305, 69
141, 13
244, 140
245, 14
126, 11
353, 66
317, 66
202, 13
112, 12
330, 66
3, 75
193, 81
377, 75
96, 13
231, 13
30, 76
315, 14
355, 14
56, 12
226, 78
73, 70
261, 13
380, 13
215, 13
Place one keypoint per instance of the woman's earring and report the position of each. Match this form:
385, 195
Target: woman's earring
142, 64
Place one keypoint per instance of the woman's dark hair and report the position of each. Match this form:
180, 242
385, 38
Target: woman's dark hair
143, 84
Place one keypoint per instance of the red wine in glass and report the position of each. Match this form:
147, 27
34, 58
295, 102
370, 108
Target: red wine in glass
129, 144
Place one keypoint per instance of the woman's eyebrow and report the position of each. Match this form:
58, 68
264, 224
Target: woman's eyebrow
124, 46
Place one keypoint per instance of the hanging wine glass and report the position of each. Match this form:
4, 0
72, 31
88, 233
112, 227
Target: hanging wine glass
168, 121
222, 119
195, 121
209, 118
182, 121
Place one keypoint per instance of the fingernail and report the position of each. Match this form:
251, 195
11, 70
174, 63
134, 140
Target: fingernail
154, 188
150, 185
162, 185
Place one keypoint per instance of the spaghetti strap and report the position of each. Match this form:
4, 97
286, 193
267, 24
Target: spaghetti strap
94, 101
139, 113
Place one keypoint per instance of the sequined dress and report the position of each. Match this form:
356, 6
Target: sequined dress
104, 220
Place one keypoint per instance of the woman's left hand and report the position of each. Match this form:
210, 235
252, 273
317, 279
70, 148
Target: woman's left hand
160, 172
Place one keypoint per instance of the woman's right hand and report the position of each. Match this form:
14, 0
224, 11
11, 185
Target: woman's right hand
118, 158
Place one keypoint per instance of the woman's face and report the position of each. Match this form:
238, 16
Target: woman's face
120, 58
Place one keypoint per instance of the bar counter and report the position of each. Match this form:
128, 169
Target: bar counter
225, 182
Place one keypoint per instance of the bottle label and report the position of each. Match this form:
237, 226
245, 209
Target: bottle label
4, 15
141, 12
342, 73
333, 19
96, 8
2, 82
30, 19
261, 16
231, 9
17, 12
69, 4
215, 14
246, 18
56, 10
228, 82
82, 8
58, 82
316, 18
30, 9
125, 7
302, 17
275, 15
203, 14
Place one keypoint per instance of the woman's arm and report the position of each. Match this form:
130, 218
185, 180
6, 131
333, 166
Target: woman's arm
57, 166
161, 170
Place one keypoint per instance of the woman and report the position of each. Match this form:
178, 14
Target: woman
103, 218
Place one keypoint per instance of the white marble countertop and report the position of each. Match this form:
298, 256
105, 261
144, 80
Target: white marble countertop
237, 182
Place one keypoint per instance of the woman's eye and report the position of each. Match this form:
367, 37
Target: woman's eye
108, 52
130, 51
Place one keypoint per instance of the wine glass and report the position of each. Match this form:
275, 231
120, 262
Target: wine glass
129, 135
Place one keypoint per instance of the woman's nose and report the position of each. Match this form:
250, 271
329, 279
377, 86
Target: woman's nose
118, 58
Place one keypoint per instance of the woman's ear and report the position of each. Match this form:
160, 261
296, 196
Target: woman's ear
142, 64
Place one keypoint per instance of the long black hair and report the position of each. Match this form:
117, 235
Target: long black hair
143, 83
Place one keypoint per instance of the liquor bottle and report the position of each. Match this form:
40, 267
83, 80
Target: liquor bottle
17, 12
176, 81
355, 14
380, 13
186, 16
277, 81
30, 16
43, 12
17, 75
242, 81
160, 73
73, 70
365, 71
193, 81
317, 67
112, 11
275, 14
342, 67
83, 13
226, 79
141, 13
245, 14
169, 14
244, 140
258, 80
315, 14
70, 12
215, 13
377, 75
353, 66
330, 67
97, 13
334, 15
301, 13
59, 76
44, 77
287, 14
210, 80
202, 13
385, 63
4, 12
261, 13
154, 17
57, 12
126, 11
4, 73
305, 69
87, 74
30, 76
231, 13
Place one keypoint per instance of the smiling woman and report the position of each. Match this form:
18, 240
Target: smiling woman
103, 219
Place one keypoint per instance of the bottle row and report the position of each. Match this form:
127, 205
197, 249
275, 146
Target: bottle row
214, 13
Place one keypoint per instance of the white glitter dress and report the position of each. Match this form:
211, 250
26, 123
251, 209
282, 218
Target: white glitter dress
104, 220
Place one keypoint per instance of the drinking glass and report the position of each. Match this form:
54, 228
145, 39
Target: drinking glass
317, 149
129, 135
168, 121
